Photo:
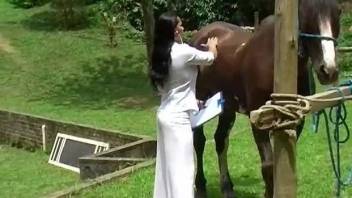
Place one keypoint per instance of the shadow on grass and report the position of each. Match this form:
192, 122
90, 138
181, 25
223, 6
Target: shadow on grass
244, 187
43, 21
107, 82
49, 21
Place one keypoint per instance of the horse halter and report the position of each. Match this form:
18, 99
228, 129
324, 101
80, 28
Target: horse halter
314, 36
319, 37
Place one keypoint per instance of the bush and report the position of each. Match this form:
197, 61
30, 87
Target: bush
345, 40
70, 13
194, 13
345, 63
28, 3
125, 10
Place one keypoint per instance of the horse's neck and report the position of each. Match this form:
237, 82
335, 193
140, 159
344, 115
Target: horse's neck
303, 83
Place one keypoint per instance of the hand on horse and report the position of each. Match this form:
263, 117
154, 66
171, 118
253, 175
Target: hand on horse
211, 45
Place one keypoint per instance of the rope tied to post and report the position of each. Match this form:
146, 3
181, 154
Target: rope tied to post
284, 111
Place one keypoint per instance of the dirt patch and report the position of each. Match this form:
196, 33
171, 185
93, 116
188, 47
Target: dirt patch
129, 102
5, 45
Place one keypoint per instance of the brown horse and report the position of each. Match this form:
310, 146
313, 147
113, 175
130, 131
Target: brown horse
243, 71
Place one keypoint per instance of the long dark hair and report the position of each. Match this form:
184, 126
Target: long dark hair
164, 37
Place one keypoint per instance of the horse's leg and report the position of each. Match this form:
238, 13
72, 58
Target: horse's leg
226, 121
262, 140
199, 143
300, 128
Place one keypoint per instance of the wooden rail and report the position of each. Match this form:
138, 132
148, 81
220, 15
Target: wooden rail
317, 102
344, 49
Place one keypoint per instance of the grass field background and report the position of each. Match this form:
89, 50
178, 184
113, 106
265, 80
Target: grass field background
74, 76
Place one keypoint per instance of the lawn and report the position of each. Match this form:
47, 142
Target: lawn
27, 174
74, 76
315, 177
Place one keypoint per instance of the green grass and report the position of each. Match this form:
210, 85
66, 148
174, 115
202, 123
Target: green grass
73, 76
26, 174
315, 177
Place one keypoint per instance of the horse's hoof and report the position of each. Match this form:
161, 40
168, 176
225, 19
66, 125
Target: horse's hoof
229, 194
200, 194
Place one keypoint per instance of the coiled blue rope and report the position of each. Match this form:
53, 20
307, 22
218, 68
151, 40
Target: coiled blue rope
338, 121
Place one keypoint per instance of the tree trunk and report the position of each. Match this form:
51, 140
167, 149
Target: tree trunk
148, 18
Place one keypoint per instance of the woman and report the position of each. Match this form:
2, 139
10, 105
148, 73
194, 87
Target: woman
173, 74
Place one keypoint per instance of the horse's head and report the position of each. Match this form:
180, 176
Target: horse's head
319, 28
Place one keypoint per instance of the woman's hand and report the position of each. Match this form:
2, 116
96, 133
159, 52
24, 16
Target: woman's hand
212, 44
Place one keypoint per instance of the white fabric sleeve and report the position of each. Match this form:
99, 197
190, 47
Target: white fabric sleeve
198, 57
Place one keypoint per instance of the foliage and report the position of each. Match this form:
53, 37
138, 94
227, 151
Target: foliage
345, 63
198, 13
193, 13
28, 3
70, 13
111, 28
246, 10
125, 9
345, 40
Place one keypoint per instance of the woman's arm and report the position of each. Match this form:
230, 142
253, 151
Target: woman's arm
198, 57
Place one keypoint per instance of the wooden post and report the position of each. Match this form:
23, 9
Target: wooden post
285, 81
256, 20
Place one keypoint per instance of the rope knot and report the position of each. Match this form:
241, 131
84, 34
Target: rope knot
284, 111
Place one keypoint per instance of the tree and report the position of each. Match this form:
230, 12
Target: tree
171, 4
148, 20
70, 13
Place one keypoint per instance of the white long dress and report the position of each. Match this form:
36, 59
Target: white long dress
174, 177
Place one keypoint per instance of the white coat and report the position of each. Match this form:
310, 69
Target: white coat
174, 173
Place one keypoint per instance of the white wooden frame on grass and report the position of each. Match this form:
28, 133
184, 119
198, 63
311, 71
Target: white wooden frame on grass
59, 145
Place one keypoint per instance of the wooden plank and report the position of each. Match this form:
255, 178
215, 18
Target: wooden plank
329, 98
344, 49
93, 167
317, 102
285, 81
99, 180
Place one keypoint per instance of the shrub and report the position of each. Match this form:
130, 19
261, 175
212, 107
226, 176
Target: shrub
28, 3
70, 13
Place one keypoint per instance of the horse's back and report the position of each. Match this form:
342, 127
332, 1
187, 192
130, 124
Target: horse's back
217, 77
224, 31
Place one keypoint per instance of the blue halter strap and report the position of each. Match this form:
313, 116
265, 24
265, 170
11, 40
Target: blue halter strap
319, 37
